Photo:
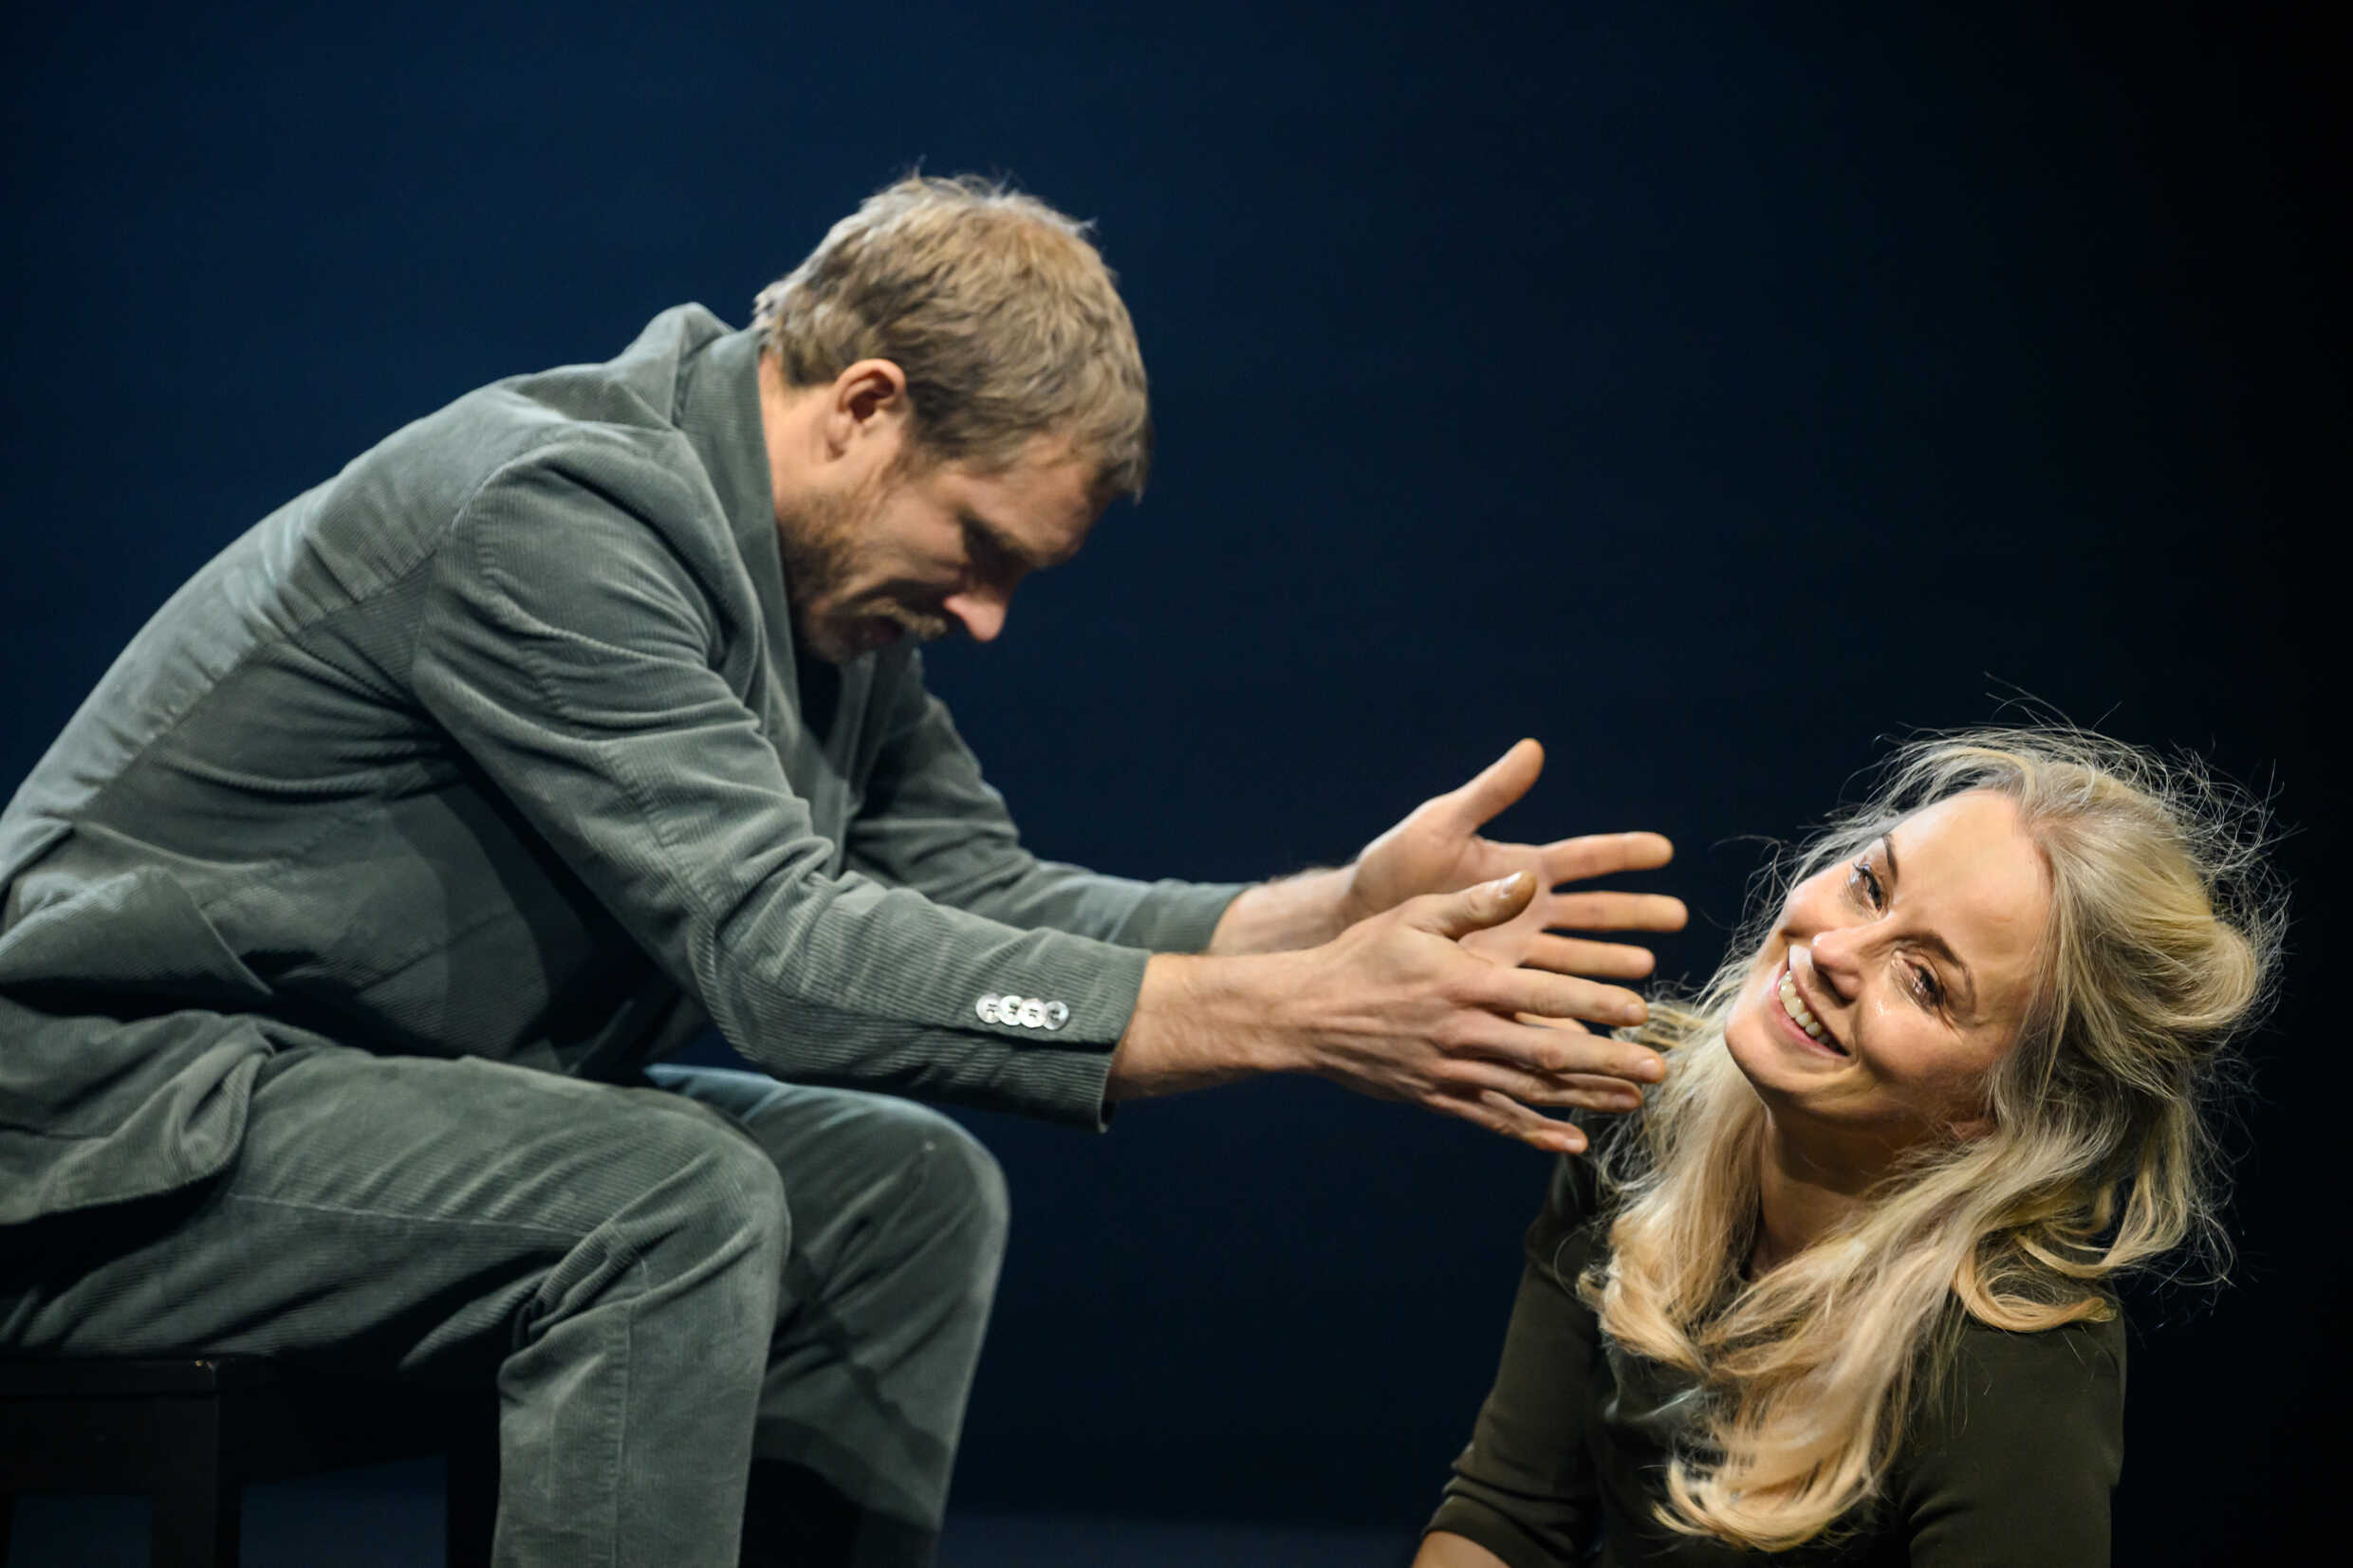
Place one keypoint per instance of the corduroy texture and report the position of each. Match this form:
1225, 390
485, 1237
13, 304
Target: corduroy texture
495, 745
662, 1285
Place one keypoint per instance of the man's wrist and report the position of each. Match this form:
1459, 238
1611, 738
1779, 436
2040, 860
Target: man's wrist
1201, 1021
1284, 915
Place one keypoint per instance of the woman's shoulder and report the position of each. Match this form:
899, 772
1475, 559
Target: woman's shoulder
2014, 1452
1566, 1223
2022, 1418
2086, 1354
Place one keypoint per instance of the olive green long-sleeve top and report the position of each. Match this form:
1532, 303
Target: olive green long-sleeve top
496, 743
2011, 1466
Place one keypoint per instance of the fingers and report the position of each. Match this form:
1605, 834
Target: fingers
1583, 1090
1557, 1054
1615, 912
1499, 1113
1508, 991
1503, 782
1457, 915
1603, 855
1603, 960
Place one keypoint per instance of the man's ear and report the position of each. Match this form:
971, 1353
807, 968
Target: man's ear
869, 403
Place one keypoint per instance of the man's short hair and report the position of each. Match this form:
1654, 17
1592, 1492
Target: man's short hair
998, 309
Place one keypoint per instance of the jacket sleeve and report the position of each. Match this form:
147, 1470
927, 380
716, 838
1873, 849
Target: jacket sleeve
929, 822
1525, 1486
572, 640
2019, 1453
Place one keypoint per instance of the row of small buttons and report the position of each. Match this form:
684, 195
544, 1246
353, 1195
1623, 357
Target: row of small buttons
1027, 1011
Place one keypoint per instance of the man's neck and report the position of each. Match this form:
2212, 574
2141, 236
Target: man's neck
783, 418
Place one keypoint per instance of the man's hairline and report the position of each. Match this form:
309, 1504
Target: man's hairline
920, 457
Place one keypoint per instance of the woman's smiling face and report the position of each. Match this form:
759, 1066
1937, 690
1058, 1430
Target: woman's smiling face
1894, 983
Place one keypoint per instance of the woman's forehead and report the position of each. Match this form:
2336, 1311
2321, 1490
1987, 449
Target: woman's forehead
1968, 866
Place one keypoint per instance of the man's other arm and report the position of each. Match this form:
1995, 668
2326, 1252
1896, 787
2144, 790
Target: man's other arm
930, 822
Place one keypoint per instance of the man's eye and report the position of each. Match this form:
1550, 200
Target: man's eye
989, 559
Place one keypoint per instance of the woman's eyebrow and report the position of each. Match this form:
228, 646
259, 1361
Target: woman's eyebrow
1928, 938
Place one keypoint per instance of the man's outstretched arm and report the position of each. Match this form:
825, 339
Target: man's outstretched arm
1396, 1008
1438, 848
930, 822
574, 650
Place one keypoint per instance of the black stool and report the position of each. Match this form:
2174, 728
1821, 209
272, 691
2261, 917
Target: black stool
192, 1433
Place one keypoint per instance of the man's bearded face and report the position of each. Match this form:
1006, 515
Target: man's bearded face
843, 601
926, 548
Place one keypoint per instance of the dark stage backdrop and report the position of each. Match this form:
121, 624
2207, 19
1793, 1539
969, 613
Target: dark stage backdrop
1712, 391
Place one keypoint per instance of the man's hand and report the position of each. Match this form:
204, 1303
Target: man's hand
1395, 1008
1438, 848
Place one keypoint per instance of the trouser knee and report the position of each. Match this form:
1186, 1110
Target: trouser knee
959, 1203
705, 1218
732, 1208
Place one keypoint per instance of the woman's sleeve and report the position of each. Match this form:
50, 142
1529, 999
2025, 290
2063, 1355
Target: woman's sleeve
2017, 1461
1523, 1488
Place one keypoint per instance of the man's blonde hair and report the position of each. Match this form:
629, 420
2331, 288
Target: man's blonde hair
998, 309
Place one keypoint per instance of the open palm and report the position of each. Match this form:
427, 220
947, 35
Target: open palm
1438, 848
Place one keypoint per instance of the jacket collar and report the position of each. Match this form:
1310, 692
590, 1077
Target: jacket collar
718, 410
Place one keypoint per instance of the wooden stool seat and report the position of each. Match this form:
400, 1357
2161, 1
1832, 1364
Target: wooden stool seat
192, 1433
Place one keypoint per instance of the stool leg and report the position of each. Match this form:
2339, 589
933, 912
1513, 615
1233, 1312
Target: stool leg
195, 1498
473, 1490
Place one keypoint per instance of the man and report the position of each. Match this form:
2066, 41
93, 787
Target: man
343, 924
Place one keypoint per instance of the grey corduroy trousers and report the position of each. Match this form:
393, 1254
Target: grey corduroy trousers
679, 1290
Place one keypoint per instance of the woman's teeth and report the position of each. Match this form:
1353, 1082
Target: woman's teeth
1796, 1009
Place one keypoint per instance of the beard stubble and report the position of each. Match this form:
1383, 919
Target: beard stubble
820, 544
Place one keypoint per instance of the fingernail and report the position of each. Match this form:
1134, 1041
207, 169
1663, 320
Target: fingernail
1652, 1070
1502, 887
1633, 1012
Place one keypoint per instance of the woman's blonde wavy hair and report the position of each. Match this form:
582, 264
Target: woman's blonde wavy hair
2162, 947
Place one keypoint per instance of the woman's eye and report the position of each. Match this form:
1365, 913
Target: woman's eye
1925, 980
1866, 883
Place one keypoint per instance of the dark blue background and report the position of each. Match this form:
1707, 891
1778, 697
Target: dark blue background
1708, 389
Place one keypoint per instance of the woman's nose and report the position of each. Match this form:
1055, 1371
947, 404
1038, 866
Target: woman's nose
1837, 956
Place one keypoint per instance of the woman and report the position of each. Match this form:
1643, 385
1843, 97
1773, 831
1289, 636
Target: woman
1842, 1288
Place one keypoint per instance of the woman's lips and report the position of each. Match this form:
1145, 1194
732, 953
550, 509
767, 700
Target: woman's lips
1790, 1026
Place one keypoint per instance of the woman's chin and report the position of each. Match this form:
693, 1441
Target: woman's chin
1746, 1040
1773, 1069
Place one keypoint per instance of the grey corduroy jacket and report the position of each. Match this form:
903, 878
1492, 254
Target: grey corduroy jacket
495, 745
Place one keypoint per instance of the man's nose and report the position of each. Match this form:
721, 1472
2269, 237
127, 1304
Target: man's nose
980, 613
